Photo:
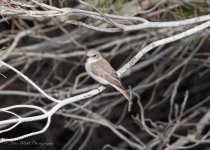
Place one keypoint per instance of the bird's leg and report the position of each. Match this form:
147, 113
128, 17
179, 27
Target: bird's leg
99, 86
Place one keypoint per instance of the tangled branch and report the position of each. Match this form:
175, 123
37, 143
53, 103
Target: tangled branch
142, 38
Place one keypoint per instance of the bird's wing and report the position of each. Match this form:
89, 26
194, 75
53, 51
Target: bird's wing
116, 83
105, 70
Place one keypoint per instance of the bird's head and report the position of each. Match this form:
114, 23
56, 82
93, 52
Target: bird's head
93, 55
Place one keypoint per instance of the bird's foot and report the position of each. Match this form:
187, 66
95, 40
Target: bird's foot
98, 87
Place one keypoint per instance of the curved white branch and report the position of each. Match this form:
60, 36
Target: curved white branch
15, 125
161, 42
20, 120
29, 81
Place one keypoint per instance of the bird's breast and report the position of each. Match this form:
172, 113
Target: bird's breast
89, 70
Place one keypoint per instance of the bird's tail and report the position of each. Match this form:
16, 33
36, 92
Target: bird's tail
124, 92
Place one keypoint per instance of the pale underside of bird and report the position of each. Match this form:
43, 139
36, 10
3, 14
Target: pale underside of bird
101, 70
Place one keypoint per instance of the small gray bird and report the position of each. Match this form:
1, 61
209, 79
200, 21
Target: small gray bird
101, 70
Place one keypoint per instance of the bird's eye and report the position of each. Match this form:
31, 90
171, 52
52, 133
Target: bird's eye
94, 55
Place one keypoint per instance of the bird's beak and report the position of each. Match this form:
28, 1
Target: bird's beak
87, 56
